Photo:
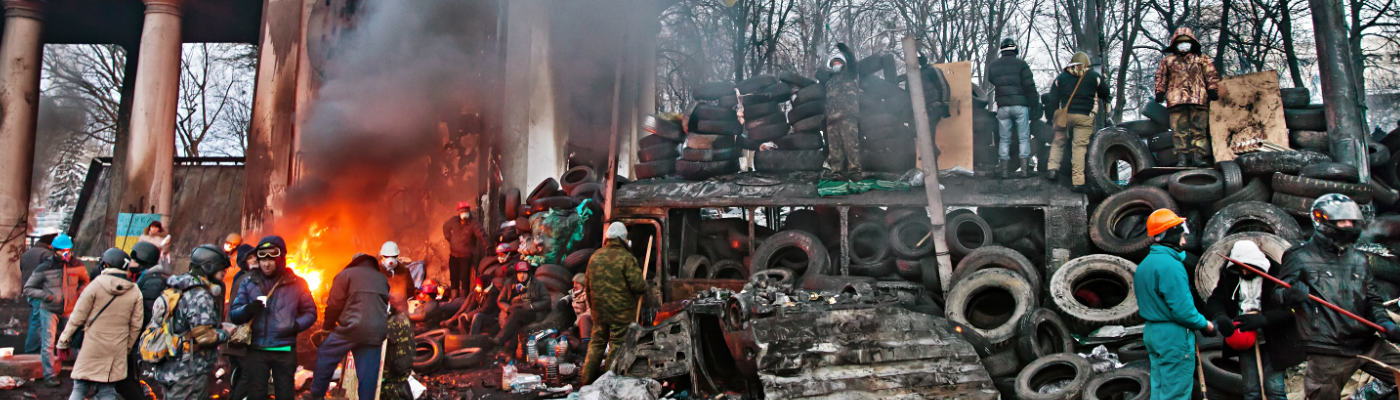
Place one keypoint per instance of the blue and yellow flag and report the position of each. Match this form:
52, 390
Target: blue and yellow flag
130, 227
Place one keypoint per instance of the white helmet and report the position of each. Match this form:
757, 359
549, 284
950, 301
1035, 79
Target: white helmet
390, 249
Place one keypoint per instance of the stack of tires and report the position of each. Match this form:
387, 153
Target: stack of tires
1298, 115
763, 98
886, 116
657, 151
1069, 376
800, 150
712, 134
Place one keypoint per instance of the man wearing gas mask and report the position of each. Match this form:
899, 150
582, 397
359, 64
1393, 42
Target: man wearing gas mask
1256, 327
1187, 83
1329, 267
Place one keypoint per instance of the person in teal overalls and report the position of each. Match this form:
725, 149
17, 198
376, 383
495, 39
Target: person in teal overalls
1165, 301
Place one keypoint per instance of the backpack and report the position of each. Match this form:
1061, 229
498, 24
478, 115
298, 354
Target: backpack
158, 340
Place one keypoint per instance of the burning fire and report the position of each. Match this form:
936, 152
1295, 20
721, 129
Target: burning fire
303, 264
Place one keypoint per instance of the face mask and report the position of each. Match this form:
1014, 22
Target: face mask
463, 215
389, 263
1184, 47
836, 67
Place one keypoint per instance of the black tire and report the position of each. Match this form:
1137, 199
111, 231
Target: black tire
906, 235
575, 176
980, 301
553, 203
869, 243
710, 154
1233, 176
808, 109
666, 128
728, 127
700, 170
813, 93
1157, 113
591, 190
1145, 128
713, 91
654, 140
789, 247
553, 284
800, 141
1389, 172
1207, 273
695, 267
1255, 190
998, 257
788, 160
1132, 351
577, 261
728, 269
510, 203
766, 133
753, 84
1108, 146
547, 188
1196, 186
1292, 204
883, 90
1159, 181
554, 271
876, 121
655, 169
909, 270
1001, 364
1108, 278
729, 101
1294, 97
1250, 216
1136, 201
967, 232
876, 269
1383, 194
707, 142
928, 275
471, 357
761, 110
1305, 119
812, 123
1309, 187
770, 119
1165, 158
1160, 141
1331, 171
1119, 384
1263, 163
796, 80
1377, 154
1219, 374
427, 355
657, 153
1308, 140
780, 91
1041, 333
1067, 369
709, 112
888, 159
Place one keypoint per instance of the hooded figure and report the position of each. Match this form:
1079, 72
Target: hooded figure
1238, 304
842, 107
279, 305
109, 312
1015, 93
1187, 81
1329, 266
1074, 91
357, 315
1164, 299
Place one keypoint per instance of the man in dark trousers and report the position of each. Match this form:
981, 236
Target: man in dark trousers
1015, 90
842, 120
279, 305
28, 262
464, 238
522, 303
615, 283
1238, 305
1329, 266
357, 317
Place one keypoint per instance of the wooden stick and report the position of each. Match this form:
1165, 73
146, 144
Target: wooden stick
646, 266
1259, 363
923, 134
1201, 372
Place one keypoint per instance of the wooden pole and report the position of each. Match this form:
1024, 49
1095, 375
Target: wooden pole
646, 266
928, 163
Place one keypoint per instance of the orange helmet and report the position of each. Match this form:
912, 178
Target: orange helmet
1162, 220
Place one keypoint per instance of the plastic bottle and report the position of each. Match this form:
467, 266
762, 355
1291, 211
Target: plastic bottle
561, 349
507, 375
532, 351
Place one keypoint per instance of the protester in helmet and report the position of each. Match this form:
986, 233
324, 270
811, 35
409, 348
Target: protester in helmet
1248, 319
1329, 266
465, 243
1164, 299
506, 254
478, 315
279, 305
357, 317
150, 275
109, 313
522, 303
198, 317
56, 300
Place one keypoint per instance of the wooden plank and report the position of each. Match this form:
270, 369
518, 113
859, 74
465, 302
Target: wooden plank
953, 135
1248, 111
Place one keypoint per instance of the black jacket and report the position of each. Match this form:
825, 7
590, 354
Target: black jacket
1083, 103
32, 258
1342, 277
1013, 80
358, 307
1280, 335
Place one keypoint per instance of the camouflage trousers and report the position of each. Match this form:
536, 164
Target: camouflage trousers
605, 340
843, 144
1192, 126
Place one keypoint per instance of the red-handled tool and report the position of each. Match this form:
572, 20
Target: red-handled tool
1314, 298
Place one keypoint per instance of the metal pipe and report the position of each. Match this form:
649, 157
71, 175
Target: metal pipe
928, 163
1345, 128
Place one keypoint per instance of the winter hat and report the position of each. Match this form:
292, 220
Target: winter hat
1008, 44
616, 230
243, 251
1249, 292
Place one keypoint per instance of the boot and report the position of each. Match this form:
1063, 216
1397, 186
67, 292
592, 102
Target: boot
1000, 171
1199, 161
1052, 174
1025, 169
1183, 160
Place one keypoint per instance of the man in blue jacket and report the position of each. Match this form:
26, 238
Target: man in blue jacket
1165, 301
280, 306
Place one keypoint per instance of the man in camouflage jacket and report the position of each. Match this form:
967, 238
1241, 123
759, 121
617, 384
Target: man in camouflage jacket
1187, 81
614, 285
842, 107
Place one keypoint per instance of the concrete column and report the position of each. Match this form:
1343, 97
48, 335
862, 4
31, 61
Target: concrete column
271, 135
20, 55
531, 146
150, 155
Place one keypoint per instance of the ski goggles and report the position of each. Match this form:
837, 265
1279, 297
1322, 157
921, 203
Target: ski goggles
269, 252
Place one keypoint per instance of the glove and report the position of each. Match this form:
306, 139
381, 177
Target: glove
63, 354
1392, 332
255, 307
1224, 326
1160, 98
1251, 321
1213, 95
1294, 296
1210, 331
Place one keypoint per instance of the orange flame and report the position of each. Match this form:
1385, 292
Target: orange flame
303, 264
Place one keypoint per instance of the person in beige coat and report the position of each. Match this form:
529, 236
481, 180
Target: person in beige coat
109, 311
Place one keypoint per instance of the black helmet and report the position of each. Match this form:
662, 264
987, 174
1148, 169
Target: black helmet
208, 260
1008, 44
145, 254
114, 258
1331, 208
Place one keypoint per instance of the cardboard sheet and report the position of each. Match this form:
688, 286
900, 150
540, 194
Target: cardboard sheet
1248, 112
953, 135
